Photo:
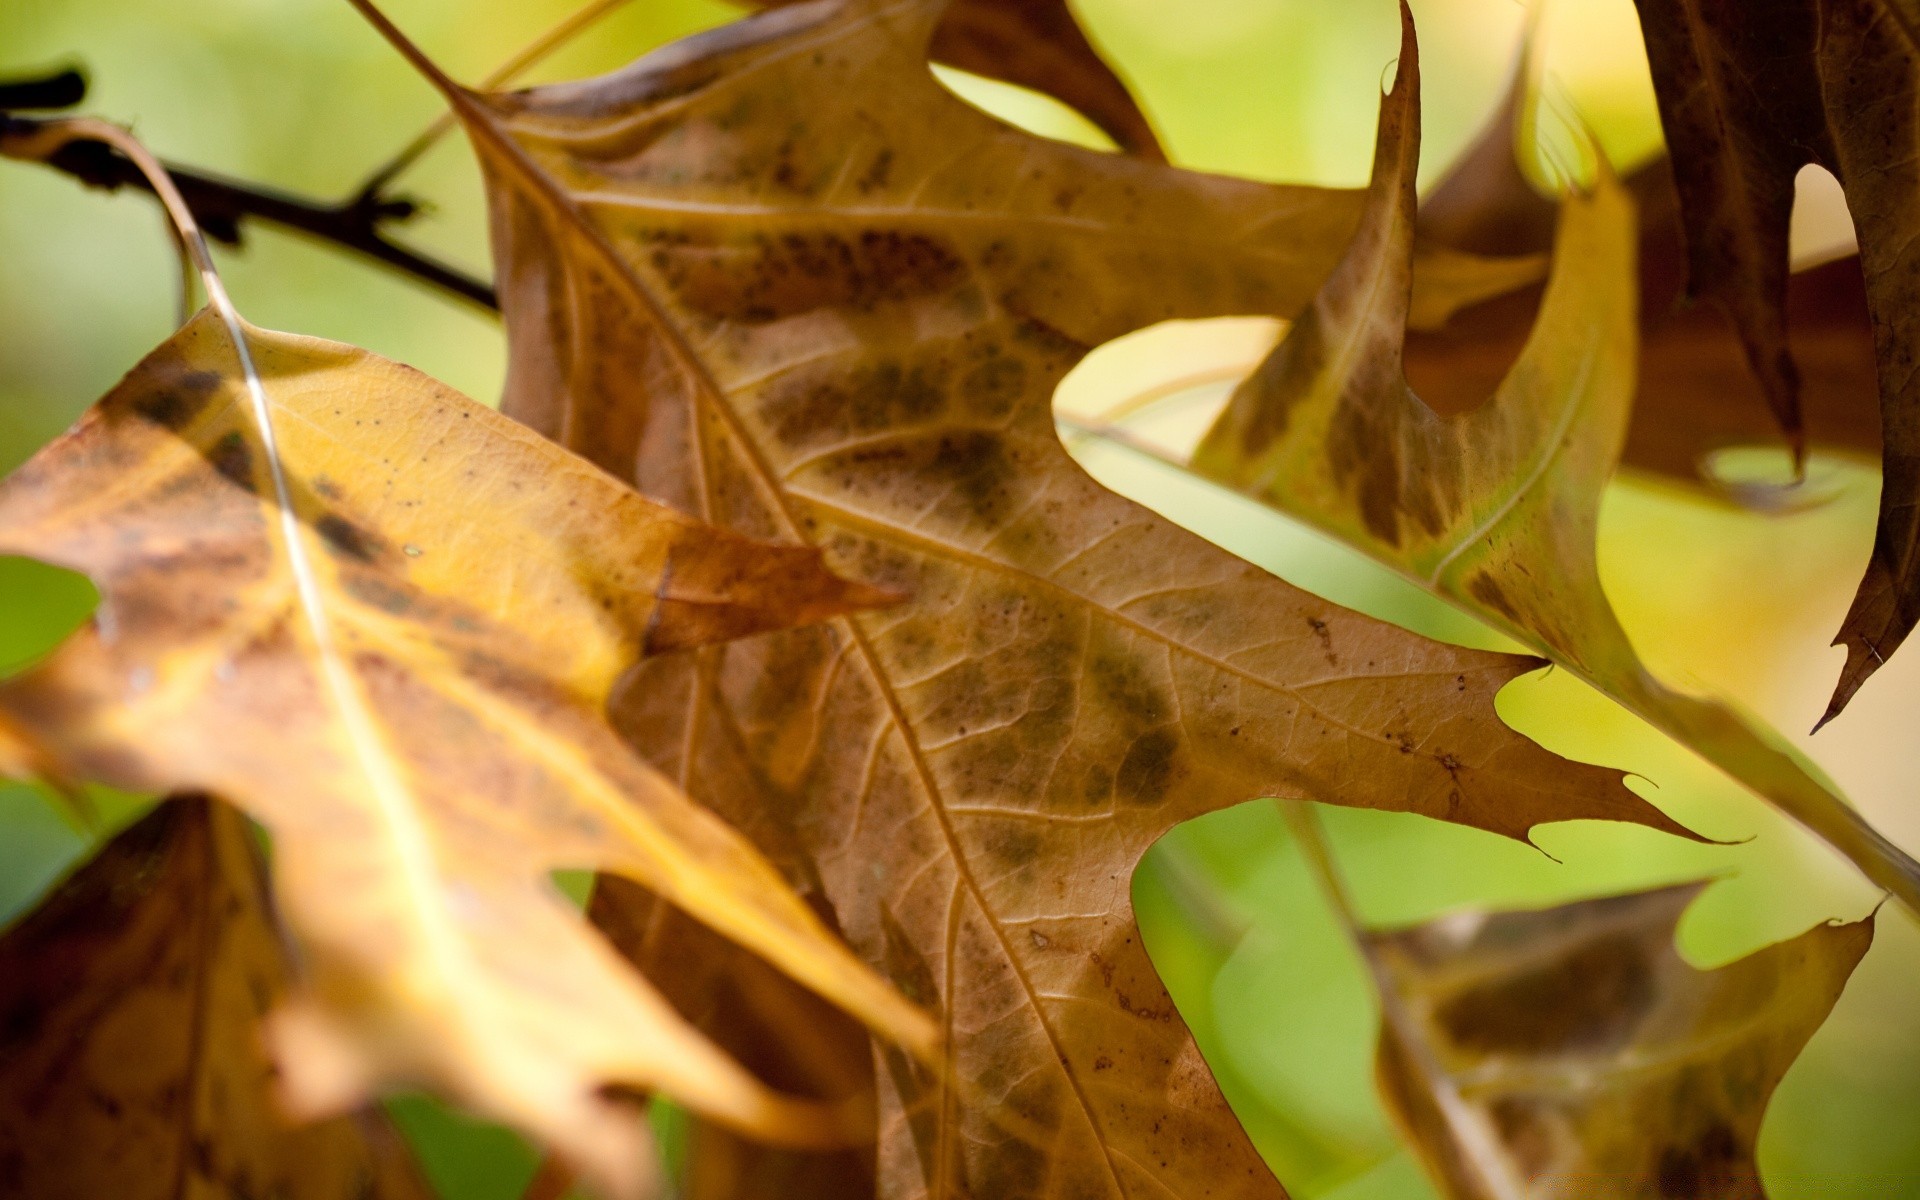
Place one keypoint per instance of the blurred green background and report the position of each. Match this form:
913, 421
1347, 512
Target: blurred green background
299, 94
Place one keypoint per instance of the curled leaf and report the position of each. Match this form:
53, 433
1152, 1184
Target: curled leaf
1496, 509
1572, 1052
392, 642
1695, 395
1747, 97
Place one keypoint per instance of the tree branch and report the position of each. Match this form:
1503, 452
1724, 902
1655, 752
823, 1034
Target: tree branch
223, 205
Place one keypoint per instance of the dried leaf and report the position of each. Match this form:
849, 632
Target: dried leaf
130, 1057
782, 278
1495, 509
1695, 395
1748, 96
1038, 44
392, 644
1572, 1052
781, 1032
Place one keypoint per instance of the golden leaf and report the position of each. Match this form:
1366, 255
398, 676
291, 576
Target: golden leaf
388, 631
1495, 509
1572, 1052
780, 277
130, 1062
1748, 96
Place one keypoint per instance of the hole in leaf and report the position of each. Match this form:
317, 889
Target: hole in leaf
1822, 228
40, 607
1024, 108
1163, 385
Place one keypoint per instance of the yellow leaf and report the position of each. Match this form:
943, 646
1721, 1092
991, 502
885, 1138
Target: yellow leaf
390, 638
1497, 508
1552, 1053
783, 279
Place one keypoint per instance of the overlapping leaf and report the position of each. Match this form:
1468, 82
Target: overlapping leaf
1748, 95
1695, 396
781, 278
1495, 509
1038, 44
1572, 1052
392, 642
130, 1055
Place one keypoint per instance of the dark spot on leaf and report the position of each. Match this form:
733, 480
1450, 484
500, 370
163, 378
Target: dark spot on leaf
347, 538
233, 458
1151, 767
1587, 1000
1487, 591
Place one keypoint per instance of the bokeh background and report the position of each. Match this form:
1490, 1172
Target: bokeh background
299, 94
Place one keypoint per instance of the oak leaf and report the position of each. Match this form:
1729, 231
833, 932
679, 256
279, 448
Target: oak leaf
130, 1057
1695, 396
388, 632
1495, 509
780, 277
1749, 95
1038, 44
1572, 1051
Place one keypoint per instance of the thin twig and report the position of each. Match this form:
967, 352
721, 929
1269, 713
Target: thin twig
61, 89
221, 205
1479, 1150
537, 51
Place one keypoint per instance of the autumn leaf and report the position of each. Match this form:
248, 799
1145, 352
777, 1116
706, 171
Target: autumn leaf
130, 1056
1495, 509
783, 1033
780, 277
1747, 98
1553, 1053
1038, 44
388, 631
1695, 396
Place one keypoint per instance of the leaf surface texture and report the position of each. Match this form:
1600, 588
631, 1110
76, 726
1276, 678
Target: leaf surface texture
404, 679
1497, 508
1546, 1054
782, 279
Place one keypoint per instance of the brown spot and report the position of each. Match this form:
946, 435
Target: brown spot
772, 277
1486, 590
1706, 1168
347, 538
1151, 768
1587, 1000
233, 458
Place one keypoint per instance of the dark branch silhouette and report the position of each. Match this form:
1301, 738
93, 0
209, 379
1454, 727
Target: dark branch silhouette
222, 205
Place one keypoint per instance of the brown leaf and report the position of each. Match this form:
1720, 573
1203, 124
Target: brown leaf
1038, 44
391, 640
826, 300
1495, 509
1748, 95
1695, 395
131, 1064
1572, 1052
778, 1030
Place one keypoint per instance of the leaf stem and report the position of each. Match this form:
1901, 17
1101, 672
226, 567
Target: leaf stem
534, 53
1479, 1149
